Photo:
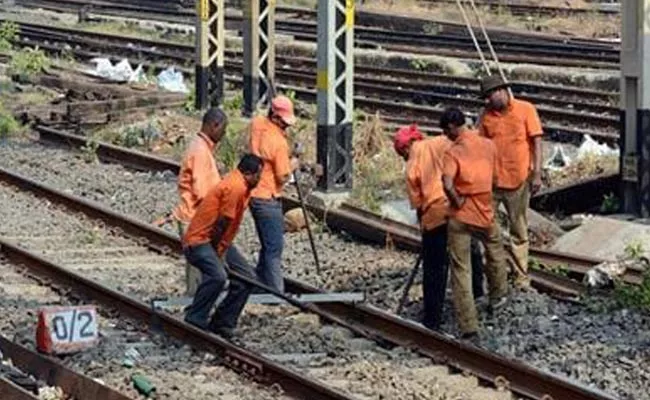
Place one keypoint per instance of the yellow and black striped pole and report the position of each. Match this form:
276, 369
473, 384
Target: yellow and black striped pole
259, 53
209, 84
335, 93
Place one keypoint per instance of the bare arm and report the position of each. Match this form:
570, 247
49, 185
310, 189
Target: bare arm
220, 228
456, 199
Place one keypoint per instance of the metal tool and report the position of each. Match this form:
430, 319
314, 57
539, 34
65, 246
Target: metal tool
297, 151
409, 283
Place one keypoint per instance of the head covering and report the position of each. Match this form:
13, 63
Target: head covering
405, 135
491, 83
282, 106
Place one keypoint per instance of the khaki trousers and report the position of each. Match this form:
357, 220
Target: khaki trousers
192, 274
459, 242
516, 205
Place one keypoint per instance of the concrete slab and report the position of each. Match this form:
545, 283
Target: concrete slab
604, 237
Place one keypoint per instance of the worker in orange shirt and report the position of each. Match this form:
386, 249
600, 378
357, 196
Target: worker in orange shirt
425, 191
469, 169
268, 140
207, 245
515, 128
197, 176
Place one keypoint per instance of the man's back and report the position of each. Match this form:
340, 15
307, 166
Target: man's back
269, 142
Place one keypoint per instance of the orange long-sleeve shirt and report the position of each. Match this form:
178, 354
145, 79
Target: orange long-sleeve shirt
197, 176
424, 180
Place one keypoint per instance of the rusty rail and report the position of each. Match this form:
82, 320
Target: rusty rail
362, 223
235, 357
11, 391
374, 323
54, 373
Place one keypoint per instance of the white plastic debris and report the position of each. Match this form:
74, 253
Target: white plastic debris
172, 80
558, 160
400, 211
604, 274
122, 71
591, 147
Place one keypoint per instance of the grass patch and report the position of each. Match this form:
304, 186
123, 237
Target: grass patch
634, 296
28, 62
8, 35
8, 125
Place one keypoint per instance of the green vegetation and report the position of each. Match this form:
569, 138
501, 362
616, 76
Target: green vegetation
8, 34
634, 296
610, 204
89, 151
8, 125
27, 62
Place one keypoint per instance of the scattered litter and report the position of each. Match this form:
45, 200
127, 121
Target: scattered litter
591, 147
558, 160
604, 274
172, 80
51, 393
131, 357
121, 71
143, 385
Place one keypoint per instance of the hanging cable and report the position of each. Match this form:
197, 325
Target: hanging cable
489, 43
471, 33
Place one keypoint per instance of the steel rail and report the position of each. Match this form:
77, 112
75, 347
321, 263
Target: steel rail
54, 373
548, 53
237, 358
415, 80
374, 323
425, 115
524, 9
11, 391
363, 223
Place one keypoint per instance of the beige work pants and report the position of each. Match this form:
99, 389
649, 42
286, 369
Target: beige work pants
192, 274
459, 243
516, 205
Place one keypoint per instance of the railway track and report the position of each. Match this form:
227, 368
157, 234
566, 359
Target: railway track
537, 51
518, 9
367, 321
415, 96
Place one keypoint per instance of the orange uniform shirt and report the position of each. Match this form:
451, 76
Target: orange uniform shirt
197, 176
269, 142
228, 199
471, 163
424, 180
512, 132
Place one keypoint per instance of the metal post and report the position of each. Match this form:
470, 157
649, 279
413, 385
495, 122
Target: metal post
259, 52
210, 45
335, 93
635, 107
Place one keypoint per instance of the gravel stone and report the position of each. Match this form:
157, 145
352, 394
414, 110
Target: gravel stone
563, 338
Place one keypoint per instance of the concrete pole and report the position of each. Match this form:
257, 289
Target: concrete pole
209, 84
259, 53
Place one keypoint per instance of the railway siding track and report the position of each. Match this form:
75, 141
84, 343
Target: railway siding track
555, 52
397, 330
596, 120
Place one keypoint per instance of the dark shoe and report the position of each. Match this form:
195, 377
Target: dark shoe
472, 338
226, 333
199, 325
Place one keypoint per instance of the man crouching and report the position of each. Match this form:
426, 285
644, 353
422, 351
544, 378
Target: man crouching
207, 246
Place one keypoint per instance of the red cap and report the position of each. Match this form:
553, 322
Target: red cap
282, 106
405, 135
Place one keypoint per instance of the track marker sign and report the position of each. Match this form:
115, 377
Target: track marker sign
65, 330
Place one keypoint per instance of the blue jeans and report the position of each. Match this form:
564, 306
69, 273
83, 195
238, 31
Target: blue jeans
269, 223
214, 279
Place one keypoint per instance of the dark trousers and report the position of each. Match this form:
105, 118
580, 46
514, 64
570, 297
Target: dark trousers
214, 279
269, 224
435, 269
